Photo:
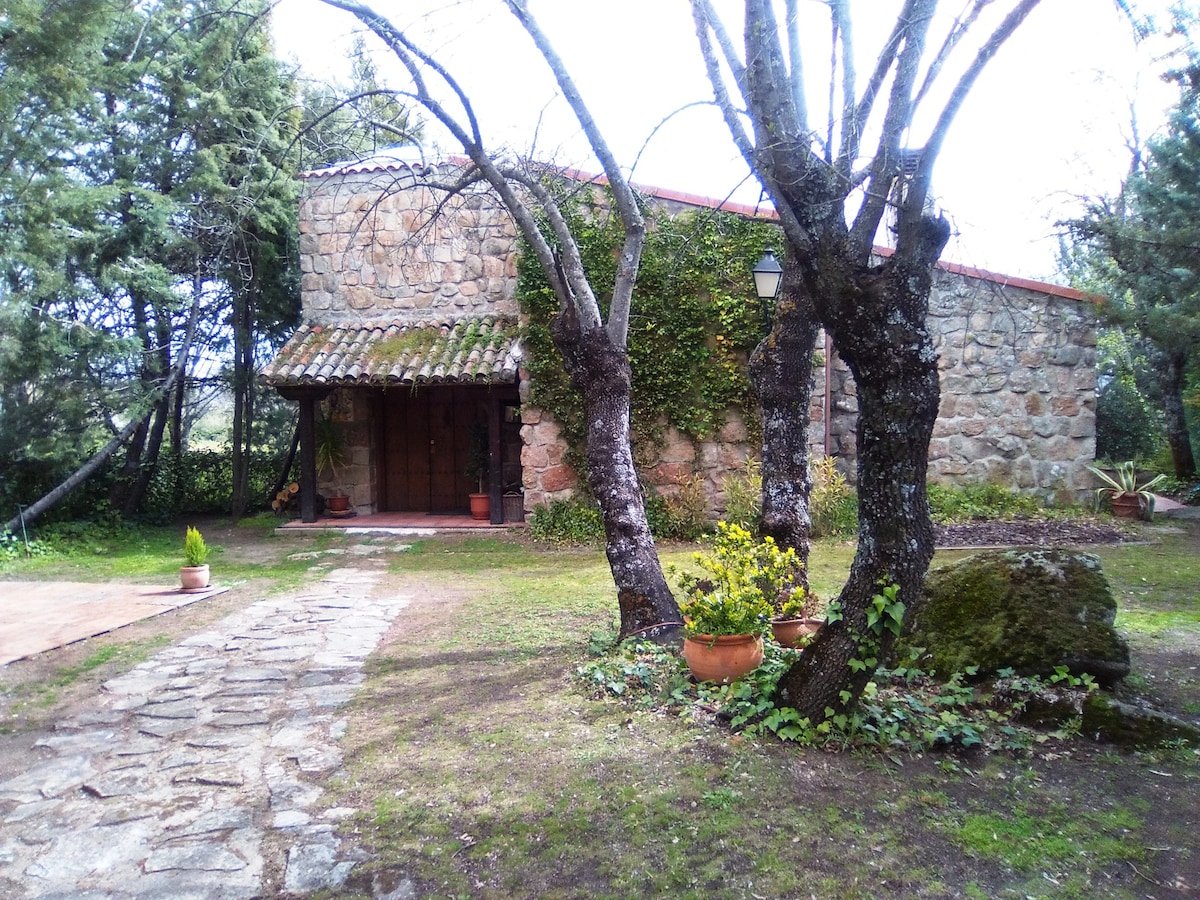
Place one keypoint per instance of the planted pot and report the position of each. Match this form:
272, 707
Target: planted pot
481, 506
788, 631
338, 504
193, 578
1127, 506
723, 658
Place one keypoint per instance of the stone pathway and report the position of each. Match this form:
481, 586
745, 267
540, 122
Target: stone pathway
197, 772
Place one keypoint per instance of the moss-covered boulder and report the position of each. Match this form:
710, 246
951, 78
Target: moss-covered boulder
1028, 609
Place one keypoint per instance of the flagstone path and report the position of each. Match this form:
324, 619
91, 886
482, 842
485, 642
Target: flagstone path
197, 773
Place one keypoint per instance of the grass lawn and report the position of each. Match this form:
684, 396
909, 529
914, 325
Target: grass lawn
478, 765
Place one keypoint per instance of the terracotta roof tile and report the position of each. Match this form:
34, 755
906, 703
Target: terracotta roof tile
468, 351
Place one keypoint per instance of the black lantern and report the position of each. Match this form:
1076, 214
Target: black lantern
768, 276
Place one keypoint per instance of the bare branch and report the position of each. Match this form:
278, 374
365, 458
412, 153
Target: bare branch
728, 49
957, 31
898, 116
667, 118
856, 120
796, 61
411, 57
631, 216
707, 23
919, 188
407, 53
843, 37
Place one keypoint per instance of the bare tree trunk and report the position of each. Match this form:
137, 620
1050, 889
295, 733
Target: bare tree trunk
286, 470
80, 475
601, 372
898, 394
243, 412
119, 491
781, 370
140, 486
1178, 437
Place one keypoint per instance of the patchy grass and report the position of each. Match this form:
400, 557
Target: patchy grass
479, 767
143, 554
25, 700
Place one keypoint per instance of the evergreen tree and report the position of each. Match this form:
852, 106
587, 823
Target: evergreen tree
152, 201
1145, 245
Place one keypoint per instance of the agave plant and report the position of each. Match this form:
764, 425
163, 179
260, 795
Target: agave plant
1124, 482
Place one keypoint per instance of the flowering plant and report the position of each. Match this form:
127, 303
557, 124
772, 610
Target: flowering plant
743, 582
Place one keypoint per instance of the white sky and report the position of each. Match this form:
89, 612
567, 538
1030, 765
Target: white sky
1047, 123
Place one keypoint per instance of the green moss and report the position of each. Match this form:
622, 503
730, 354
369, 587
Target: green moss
1031, 610
1131, 726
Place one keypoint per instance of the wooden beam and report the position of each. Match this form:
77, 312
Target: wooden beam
495, 467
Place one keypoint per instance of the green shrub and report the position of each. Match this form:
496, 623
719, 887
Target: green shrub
573, 521
833, 504
578, 520
195, 551
978, 501
686, 511
743, 496
743, 583
1127, 425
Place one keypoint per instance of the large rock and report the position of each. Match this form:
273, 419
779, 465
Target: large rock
1029, 609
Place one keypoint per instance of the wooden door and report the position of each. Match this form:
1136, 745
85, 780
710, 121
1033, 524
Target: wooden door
425, 435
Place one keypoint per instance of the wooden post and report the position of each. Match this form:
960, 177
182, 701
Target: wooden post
308, 459
495, 466
307, 397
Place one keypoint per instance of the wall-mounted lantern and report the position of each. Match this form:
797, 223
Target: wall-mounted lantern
768, 276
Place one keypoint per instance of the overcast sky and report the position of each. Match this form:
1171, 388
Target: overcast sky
1048, 122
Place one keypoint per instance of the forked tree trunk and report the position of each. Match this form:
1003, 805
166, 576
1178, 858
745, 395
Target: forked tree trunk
601, 372
781, 370
898, 393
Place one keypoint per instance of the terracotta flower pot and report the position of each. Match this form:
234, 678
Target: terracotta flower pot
339, 503
788, 631
481, 506
193, 578
724, 658
1127, 506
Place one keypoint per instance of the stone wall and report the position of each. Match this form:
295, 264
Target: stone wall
1018, 379
375, 245
351, 410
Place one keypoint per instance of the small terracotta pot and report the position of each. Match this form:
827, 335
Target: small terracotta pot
788, 631
340, 503
723, 659
193, 578
481, 506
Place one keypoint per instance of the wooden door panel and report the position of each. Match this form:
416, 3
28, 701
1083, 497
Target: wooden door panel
406, 435
443, 441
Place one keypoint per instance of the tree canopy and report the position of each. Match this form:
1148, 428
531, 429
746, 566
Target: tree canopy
148, 220
1142, 248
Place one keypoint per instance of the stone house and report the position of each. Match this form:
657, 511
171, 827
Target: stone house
410, 340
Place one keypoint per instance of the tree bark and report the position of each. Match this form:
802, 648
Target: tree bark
782, 374
601, 372
286, 470
1178, 437
898, 392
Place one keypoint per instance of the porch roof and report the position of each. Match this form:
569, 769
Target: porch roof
378, 353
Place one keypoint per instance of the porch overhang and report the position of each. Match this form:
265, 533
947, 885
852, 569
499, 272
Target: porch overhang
385, 353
